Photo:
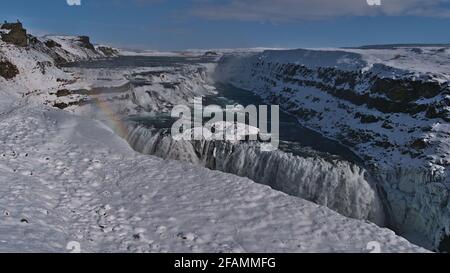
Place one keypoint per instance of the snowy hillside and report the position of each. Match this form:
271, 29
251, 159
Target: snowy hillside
391, 106
77, 48
36, 66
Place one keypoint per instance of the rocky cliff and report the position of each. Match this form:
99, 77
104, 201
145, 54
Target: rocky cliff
14, 33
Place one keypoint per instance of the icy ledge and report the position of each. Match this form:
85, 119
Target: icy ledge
65, 178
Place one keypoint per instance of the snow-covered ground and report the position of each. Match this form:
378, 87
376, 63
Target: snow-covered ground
65, 177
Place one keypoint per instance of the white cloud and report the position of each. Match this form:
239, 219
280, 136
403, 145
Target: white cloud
288, 10
73, 2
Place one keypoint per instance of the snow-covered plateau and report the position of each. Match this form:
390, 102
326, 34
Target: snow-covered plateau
69, 174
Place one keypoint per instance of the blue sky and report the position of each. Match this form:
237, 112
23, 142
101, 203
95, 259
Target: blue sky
183, 24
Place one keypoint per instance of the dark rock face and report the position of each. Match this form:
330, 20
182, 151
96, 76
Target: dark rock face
444, 246
406, 91
438, 111
387, 125
211, 54
340, 84
8, 70
86, 43
52, 44
419, 144
400, 95
17, 34
50, 47
63, 93
367, 118
63, 105
107, 51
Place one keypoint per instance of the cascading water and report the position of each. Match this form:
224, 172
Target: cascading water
337, 184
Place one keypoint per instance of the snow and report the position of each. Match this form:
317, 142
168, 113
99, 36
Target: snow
405, 60
424, 60
4, 31
31, 65
72, 46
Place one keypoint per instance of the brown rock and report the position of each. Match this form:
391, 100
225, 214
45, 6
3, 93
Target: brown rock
8, 70
17, 34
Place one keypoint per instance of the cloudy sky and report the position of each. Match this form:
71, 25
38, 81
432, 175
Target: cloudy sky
182, 24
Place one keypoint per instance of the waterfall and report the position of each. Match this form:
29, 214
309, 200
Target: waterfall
337, 184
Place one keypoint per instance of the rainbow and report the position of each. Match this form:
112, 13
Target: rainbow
113, 120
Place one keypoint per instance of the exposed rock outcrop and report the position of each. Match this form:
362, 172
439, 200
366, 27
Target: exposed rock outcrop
108, 51
14, 33
8, 70
51, 44
85, 42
